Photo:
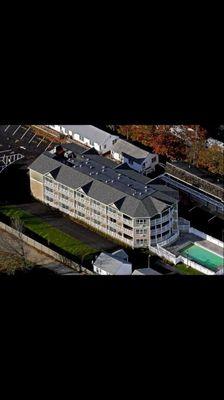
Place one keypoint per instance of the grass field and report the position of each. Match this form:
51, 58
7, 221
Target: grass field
48, 232
187, 270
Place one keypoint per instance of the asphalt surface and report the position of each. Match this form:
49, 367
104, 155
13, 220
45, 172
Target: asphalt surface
59, 221
16, 139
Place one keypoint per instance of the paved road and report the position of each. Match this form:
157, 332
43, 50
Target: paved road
63, 223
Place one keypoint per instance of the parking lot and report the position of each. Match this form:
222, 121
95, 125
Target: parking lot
22, 139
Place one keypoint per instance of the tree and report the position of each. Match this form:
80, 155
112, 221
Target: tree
15, 244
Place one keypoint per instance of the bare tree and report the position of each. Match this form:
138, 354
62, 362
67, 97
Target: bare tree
15, 245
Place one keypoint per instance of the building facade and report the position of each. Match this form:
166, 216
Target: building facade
88, 135
136, 214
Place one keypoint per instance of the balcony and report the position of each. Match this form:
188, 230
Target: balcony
169, 239
159, 220
158, 231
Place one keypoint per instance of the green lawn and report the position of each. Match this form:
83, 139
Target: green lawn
187, 270
53, 235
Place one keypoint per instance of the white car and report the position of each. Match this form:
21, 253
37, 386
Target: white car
21, 147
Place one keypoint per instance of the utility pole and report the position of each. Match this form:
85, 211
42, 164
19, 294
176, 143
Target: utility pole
149, 255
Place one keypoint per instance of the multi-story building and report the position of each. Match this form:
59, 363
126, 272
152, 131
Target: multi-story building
136, 158
91, 189
88, 135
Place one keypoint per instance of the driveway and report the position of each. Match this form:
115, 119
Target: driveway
56, 219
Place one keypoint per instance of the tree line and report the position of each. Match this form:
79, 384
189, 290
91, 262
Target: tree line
190, 146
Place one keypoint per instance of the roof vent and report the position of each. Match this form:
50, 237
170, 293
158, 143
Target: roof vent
90, 166
133, 194
80, 165
140, 193
97, 173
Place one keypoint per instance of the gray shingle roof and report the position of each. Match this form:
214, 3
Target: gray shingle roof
90, 132
145, 271
44, 164
121, 146
109, 263
72, 178
104, 193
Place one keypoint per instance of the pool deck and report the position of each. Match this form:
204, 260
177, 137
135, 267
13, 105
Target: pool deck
187, 238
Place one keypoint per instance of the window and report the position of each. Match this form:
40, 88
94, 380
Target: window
154, 159
114, 141
112, 229
165, 213
63, 206
105, 146
141, 221
113, 220
153, 237
81, 138
47, 189
96, 212
63, 187
79, 194
165, 223
63, 196
155, 217
126, 217
111, 209
127, 236
127, 227
165, 233
141, 231
48, 179
49, 198
80, 214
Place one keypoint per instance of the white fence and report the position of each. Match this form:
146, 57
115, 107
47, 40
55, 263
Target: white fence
196, 266
45, 249
207, 237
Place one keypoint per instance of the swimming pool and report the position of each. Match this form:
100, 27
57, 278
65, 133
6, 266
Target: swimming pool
203, 256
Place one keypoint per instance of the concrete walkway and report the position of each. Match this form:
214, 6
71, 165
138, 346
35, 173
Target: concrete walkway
211, 246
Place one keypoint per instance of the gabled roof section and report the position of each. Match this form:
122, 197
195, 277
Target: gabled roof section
44, 164
54, 172
122, 146
104, 193
72, 178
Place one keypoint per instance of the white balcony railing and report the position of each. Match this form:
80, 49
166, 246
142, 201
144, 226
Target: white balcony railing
159, 220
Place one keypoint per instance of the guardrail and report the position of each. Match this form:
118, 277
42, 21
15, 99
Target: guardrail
185, 187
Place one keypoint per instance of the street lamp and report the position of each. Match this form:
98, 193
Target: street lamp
187, 257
